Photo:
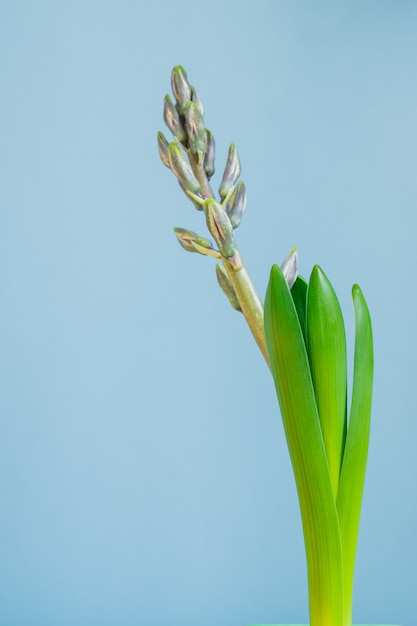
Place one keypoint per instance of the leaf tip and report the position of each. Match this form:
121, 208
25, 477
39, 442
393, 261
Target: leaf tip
275, 273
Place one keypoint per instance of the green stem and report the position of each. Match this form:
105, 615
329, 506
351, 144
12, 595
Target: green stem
249, 300
250, 304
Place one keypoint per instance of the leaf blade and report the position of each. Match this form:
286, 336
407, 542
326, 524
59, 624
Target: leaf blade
292, 377
352, 477
299, 295
326, 343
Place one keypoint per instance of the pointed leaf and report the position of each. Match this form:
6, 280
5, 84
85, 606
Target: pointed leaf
349, 497
299, 295
326, 344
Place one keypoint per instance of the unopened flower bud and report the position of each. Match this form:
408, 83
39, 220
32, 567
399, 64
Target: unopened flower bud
236, 204
227, 287
220, 227
182, 169
196, 99
173, 121
180, 86
194, 126
231, 172
192, 242
163, 149
289, 267
209, 155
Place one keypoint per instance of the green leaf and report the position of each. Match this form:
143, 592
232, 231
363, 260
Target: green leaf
299, 295
292, 377
326, 344
349, 498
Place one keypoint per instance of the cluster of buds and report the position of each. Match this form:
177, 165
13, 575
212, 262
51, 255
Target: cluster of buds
185, 120
190, 157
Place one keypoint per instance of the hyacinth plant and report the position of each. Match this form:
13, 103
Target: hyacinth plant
301, 334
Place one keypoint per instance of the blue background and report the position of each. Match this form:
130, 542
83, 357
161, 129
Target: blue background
144, 476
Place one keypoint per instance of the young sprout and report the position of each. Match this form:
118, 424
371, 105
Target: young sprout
301, 335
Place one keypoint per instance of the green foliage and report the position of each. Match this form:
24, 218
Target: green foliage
310, 375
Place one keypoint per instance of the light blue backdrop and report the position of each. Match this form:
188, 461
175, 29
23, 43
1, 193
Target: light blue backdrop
144, 477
